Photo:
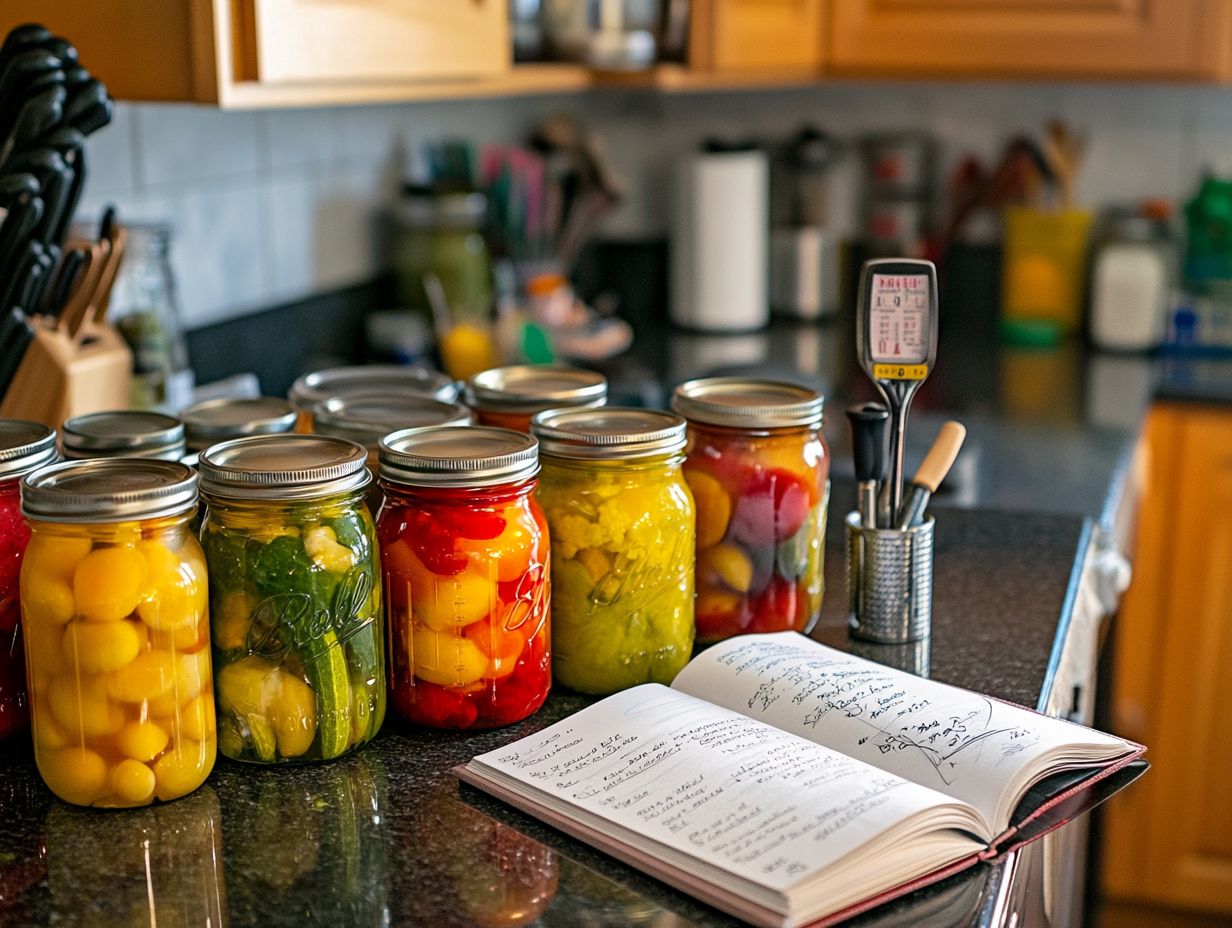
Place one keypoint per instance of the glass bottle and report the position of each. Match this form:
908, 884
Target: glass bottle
759, 469
464, 549
296, 597
622, 527
145, 310
113, 604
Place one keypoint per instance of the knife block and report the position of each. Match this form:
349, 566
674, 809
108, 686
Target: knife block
62, 376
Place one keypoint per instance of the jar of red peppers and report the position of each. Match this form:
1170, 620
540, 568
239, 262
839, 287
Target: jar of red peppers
759, 470
464, 550
24, 446
509, 397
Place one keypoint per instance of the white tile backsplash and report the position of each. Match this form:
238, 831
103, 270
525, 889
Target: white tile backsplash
271, 206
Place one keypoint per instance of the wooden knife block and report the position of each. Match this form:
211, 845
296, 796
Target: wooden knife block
61, 376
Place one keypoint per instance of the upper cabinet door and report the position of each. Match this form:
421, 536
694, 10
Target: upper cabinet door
1032, 38
371, 40
756, 35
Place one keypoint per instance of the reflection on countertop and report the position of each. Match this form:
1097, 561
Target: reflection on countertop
387, 836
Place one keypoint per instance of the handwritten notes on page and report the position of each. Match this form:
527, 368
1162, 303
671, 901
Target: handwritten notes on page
714, 785
963, 744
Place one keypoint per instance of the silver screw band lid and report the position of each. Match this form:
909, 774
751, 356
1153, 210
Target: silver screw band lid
609, 432
745, 402
471, 456
366, 418
319, 386
283, 467
531, 388
127, 433
25, 446
103, 490
213, 421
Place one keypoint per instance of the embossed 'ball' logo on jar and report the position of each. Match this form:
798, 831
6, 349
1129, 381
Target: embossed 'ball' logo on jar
291, 621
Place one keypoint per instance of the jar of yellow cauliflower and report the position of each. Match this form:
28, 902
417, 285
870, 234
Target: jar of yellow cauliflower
113, 602
621, 520
295, 596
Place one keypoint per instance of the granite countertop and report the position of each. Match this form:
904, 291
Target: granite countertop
388, 837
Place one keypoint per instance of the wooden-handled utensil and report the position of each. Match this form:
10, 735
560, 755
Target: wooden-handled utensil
932, 471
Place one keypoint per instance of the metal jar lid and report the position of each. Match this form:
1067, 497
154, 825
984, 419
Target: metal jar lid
610, 432
530, 388
25, 446
283, 467
123, 433
366, 418
108, 490
319, 386
473, 456
743, 402
213, 421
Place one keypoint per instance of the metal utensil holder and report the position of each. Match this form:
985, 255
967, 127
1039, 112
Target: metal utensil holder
889, 581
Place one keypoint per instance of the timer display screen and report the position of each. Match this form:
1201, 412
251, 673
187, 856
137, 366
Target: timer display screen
898, 318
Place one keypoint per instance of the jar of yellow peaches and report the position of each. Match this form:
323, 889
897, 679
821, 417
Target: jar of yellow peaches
113, 602
759, 469
295, 595
621, 521
509, 397
464, 549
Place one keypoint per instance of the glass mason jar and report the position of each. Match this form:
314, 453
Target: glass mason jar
123, 433
296, 597
366, 418
759, 469
621, 522
24, 447
317, 387
441, 233
464, 548
113, 604
509, 397
209, 422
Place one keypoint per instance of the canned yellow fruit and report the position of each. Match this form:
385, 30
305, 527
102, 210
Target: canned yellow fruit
118, 649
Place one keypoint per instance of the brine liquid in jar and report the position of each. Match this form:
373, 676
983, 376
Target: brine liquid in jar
464, 550
759, 470
622, 526
114, 608
295, 591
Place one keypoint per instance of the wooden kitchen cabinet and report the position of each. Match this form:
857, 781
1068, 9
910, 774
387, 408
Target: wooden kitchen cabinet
1168, 841
1168, 39
778, 36
243, 53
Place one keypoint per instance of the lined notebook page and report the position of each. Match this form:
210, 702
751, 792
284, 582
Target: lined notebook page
959, 743
704, 781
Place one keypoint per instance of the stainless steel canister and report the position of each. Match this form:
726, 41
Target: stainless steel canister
889, 581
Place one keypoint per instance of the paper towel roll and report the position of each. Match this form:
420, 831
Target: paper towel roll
719, 242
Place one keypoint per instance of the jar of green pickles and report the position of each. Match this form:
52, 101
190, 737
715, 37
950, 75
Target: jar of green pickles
621, 522
295, 597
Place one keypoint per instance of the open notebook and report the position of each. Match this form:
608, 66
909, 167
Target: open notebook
788, 783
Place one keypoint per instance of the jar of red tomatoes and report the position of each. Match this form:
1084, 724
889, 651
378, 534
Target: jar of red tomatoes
509, 397
464, 551
24, 447
759, 470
